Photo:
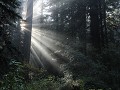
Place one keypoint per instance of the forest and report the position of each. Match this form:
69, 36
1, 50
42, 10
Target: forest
59, 44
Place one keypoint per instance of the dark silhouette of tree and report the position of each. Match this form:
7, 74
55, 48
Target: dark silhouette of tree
8, 17
98, 28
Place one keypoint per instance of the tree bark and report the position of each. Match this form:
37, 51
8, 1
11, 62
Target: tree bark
27, 35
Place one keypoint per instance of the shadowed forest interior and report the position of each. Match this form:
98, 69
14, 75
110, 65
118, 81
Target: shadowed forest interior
59, 44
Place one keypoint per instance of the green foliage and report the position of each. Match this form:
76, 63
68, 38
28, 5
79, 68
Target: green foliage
110, 60
107, 73
8, 18
48, 83
14, 79
9, 8
41, 79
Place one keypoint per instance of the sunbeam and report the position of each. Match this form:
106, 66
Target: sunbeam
43, 54
45, 44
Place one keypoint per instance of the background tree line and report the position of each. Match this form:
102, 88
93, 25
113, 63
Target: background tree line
90, 27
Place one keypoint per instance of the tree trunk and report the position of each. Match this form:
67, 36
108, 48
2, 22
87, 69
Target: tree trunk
27, 35
82, 28
95, 25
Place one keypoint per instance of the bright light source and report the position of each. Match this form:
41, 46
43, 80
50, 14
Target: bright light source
22, 25
24, 13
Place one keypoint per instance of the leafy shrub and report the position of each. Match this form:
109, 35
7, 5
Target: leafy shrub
14, 79
48, 83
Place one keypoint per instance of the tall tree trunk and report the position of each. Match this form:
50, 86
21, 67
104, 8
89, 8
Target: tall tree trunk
105, 26
27, 35
95, 25
82, 28
102, 35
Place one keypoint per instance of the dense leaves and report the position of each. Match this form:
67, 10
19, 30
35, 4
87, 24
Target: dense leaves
8, 19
